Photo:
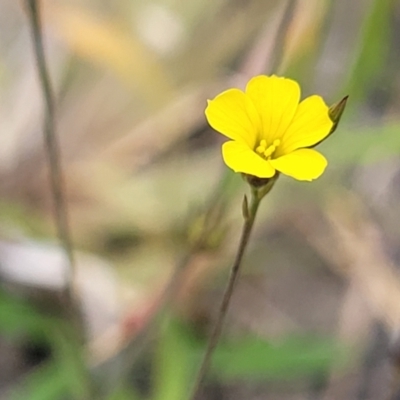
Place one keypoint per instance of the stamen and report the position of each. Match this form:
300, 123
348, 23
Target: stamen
260, 149
267, 151
276, 142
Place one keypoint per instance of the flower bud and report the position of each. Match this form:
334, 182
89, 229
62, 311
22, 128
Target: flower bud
336, 111
335, 114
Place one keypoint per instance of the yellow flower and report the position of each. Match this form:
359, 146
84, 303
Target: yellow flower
270, 129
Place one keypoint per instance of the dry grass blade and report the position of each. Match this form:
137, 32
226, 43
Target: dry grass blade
368, 266
355, 249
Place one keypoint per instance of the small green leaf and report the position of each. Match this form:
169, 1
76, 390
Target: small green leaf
124, 394
17, 316
45, 383
174, 363
255, 358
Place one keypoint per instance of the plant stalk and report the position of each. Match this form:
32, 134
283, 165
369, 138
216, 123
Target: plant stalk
249, 216
51, 142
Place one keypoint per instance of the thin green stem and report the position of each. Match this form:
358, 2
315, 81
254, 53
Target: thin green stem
51, 142
56, 179
250, 216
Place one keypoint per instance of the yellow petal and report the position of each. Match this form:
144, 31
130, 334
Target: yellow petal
241, 158
310, 125
276, 100
303, 164
228, 114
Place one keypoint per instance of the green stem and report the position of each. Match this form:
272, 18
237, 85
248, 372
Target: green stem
51, 143
250, 216
53, 154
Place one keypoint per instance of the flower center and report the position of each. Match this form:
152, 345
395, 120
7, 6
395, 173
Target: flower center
266, 151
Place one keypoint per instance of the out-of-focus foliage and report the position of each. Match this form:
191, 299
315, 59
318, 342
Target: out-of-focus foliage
145, 182
64, 373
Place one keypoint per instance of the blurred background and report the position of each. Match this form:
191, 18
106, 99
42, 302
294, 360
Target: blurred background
155, 216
